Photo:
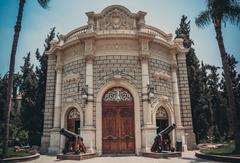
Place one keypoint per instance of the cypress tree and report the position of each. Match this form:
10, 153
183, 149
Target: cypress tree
29, 113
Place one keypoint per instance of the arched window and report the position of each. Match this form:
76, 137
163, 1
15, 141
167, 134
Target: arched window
73, 121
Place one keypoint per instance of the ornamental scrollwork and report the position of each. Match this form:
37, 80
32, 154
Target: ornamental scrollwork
74, 114
117, 94
116, 19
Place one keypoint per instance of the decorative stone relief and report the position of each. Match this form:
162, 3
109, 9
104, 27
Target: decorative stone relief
71, 77
161, 75
74, 114
117, 94
162, 99
116, 75
161, 113
123, 46
116, 19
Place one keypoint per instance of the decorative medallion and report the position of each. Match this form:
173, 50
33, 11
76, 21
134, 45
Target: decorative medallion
117, 94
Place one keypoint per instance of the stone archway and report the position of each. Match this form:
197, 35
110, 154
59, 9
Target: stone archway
137, 127
73, 121
168, 117
64, 116
162, 119
118, 135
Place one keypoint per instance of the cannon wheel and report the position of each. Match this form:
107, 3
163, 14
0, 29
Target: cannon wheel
159, 149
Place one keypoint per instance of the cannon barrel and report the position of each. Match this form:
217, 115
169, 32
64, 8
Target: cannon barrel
70, 135
158, 141
168, 129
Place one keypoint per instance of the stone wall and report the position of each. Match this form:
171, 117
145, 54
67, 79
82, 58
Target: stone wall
105, 68
185, 104
162, 87
72, 88
49, 103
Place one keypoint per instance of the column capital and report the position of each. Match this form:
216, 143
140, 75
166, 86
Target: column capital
89, 58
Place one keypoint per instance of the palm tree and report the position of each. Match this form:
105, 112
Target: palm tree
219, 12
17, 30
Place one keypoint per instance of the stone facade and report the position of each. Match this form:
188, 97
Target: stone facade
116, 49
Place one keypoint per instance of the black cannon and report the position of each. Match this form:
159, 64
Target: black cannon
162, 139
74, 142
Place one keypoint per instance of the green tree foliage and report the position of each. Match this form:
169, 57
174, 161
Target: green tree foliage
217, 104
41, 74
219, 12
14, 120
29, 113
3, 92
235, 77
203, 112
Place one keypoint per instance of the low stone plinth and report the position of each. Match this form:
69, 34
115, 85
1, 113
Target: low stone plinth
75, 156
162, 154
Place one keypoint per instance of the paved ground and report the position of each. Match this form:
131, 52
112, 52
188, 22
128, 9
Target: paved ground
187, 157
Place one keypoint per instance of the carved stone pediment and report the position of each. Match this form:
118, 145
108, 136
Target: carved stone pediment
116, 17
161, 75
71, 77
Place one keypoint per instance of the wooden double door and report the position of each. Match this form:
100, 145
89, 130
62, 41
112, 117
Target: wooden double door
118, 122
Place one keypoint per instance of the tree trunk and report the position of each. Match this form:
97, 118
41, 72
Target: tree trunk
10, 78
232, 113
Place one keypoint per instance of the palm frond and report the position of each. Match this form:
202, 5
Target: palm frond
203, 19
44, 3
232, 14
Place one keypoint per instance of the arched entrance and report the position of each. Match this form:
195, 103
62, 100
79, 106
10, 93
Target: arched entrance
73, 121
118, 122
161, 119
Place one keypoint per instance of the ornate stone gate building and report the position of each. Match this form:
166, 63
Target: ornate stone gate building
116, 82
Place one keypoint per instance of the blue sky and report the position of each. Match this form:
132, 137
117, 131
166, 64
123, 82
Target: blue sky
67, 15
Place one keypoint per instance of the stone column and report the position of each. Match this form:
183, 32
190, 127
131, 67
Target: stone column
148, 130
54, 134
185, 104
88, 132
89, 83
180, 136
58, 97
49, 103
144, 55
145, 83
